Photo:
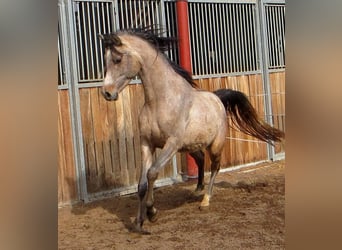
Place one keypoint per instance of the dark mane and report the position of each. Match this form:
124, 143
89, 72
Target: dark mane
155, 37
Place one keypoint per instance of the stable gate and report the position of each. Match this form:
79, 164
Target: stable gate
234, 44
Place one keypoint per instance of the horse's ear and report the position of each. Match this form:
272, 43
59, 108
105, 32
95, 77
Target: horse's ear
116, 40
100, 36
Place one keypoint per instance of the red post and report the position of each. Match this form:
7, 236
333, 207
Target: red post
183, 34
185, 61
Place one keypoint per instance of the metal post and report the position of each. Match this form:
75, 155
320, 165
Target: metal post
264, 62
66, 7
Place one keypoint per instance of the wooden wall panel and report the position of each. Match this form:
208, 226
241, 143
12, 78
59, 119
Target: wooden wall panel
277, 84
67, 191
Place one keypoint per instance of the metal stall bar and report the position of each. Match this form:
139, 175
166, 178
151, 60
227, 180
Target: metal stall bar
66, 9
264, 62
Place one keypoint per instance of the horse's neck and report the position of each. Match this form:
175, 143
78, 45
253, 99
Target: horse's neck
159, 79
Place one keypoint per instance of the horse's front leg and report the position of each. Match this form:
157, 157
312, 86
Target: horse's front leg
167, 152
147, 151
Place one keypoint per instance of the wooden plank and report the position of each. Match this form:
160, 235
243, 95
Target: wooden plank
66, 169
108, 178
61, 154
88, 139
98, 137
113, 174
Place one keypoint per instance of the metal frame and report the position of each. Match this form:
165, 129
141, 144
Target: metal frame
265, 64
225, 43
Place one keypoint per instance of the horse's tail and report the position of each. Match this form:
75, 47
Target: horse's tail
244, 116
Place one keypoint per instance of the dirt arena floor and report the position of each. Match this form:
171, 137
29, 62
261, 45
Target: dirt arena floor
247, 211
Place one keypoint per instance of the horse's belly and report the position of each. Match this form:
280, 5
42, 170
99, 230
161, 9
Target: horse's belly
193, 147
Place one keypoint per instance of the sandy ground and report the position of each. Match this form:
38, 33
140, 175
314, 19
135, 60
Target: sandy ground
247, 211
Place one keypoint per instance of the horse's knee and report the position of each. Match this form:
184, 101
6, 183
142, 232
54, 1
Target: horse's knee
152, 174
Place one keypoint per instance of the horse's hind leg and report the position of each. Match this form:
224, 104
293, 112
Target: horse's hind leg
199, 158
215, 152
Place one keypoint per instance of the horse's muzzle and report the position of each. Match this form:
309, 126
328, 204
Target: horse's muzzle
109, 96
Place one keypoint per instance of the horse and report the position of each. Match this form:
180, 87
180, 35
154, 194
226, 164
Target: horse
177, 116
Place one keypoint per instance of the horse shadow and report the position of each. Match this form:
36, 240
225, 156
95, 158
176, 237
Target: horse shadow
124, 208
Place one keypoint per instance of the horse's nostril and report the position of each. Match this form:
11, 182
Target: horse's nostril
110, 97
107, 95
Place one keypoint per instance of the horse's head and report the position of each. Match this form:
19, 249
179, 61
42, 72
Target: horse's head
122, 64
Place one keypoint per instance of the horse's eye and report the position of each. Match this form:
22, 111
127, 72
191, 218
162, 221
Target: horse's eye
117, 60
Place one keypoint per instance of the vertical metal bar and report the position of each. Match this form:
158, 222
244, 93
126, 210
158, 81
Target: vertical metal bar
60, 62
280, 39
144, 14
255, 38
167, 24
131, 14
201, 40
140, 19
115, 23
248, 30
70, 56
252, 36
213, 39
263, 48
135, 15
272, 38
278, 35
85, 44
148, 13
218, 43
90, 42
239, 40
161, 19
282, 35
103, 31
173, 28
209, 38
194, 42
81, 63
245, 46
95, 39
229, 36
223, 40
126, 17
235, 54
206, 41
156, 12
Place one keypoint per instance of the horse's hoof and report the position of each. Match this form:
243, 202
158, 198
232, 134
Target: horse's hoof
152, 214
138, 228
203, 208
